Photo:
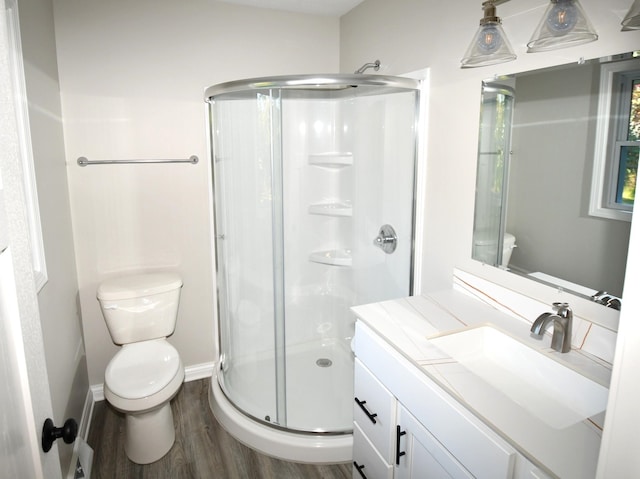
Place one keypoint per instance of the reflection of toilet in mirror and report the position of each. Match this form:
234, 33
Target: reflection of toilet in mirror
146, 373
485, 249
508, 243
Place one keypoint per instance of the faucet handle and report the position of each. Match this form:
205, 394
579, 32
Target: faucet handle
563, 310
559, 307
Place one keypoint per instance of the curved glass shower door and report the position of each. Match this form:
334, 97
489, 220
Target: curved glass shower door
496, 116
304, 179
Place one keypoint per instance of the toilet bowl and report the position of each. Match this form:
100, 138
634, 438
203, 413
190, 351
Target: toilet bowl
140, 381
146, 373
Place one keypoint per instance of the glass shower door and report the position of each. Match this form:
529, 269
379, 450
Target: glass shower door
349, 162
248, 244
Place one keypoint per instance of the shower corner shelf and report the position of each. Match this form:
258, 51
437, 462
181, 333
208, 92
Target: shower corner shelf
332, 257
331, 209
332, 160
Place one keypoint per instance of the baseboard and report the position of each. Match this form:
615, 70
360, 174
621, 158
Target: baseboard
198, 371
97, 392
87, 414
82, 456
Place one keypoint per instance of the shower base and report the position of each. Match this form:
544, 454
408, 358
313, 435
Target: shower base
312, 385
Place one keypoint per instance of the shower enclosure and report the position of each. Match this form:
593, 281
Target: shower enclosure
494, 145
314, 180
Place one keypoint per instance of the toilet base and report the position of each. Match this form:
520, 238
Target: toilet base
149, 435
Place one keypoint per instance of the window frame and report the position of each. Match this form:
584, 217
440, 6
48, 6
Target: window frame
612, 117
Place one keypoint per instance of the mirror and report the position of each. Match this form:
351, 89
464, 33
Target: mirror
534, 215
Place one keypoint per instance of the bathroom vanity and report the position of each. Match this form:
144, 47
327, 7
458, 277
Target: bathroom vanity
423, 409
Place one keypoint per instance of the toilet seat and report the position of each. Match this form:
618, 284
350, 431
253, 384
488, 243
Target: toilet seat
142, 369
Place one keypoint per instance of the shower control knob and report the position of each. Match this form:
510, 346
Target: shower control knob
387, 240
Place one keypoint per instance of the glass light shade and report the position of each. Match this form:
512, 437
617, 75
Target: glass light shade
564, 24
489, 46
632, 19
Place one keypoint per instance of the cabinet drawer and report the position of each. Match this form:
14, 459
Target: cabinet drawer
367, 460
482, 452
374, 410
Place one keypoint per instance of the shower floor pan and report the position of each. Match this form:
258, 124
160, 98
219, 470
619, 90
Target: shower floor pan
319, 399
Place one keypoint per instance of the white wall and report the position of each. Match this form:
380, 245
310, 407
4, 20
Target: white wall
132, 76
57, 300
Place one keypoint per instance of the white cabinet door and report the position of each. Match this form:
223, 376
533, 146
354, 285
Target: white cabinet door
419, 455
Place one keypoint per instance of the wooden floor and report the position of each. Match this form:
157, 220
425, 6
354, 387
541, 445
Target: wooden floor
203, 449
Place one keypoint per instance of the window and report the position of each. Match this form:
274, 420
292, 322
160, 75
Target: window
617, 141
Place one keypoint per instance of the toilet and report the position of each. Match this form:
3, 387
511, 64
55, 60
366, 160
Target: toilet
146, 373
485, 247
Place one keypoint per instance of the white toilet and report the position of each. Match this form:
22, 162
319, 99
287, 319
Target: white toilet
140, 380
485, 247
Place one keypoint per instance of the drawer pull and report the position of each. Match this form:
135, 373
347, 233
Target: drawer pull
359, 469
372, 417
399, 454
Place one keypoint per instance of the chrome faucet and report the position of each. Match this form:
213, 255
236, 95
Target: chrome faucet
561, 319
609, 300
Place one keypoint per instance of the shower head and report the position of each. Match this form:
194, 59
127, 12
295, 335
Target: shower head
375, 65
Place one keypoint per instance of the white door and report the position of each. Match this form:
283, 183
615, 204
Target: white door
19, 441
25, 400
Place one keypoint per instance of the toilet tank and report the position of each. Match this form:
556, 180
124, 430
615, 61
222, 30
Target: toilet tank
508, 244
140, 307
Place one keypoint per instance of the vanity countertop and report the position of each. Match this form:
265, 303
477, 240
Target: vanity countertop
406, 324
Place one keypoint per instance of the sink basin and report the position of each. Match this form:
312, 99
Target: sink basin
552, 392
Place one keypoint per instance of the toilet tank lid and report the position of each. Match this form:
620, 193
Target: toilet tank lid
138, 285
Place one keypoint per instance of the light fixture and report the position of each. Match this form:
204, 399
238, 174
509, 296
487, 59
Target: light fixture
490, 44
632, 19
564, 24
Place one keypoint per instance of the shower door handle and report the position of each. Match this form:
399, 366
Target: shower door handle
387, 240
